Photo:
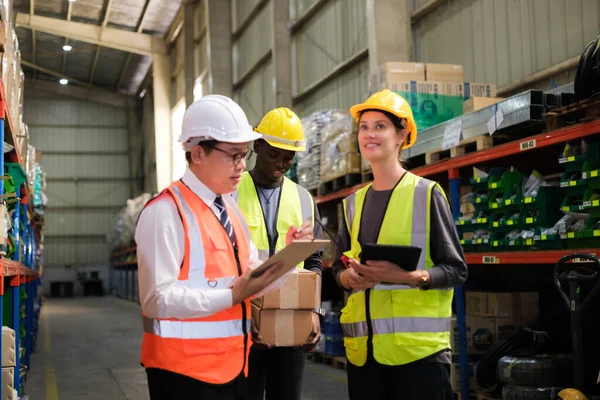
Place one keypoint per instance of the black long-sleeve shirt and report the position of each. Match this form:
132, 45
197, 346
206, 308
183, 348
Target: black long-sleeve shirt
450, 268
269, 196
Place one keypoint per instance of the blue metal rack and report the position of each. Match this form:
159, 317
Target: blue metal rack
22, 272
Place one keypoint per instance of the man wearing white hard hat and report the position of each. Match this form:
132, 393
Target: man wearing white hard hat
194, 261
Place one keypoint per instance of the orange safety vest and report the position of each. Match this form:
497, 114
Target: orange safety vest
212, 349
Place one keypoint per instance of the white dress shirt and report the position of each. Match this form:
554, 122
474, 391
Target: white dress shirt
160, 242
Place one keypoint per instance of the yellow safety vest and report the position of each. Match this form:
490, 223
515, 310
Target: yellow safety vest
295, 206
407, 324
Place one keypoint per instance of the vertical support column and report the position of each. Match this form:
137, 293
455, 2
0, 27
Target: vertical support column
134, 135
218, 30
281, 53
459, 295
16, 298
161, 89
188, 45
389, 31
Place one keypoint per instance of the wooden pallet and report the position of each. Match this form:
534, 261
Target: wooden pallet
585, 110
464, 147
339, 183
338, 362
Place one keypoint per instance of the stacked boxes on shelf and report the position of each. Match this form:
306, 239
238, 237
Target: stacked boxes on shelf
490, 317
9, 359
581, 185
436, 92
284, 316
339, 147
504, 211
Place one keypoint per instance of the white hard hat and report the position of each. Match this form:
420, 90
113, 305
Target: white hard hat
216, 117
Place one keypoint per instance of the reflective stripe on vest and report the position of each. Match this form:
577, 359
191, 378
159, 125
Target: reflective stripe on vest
408, 324
296, 205
194, 329
397, 325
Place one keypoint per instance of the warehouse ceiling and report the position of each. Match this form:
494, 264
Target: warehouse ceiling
87, 63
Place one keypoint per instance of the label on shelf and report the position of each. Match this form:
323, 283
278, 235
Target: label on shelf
478, 201
511, 243
562, 160
507, 202
595, 203
479, 241
528, 200
597, 232
594, 174
587, 204
564, 184
529, 242
496, 244
510, 222
571, 235
496, 224
462, 241
529, 220
573, 183
566, 208
490, 259
462, 221
544, 237
493, 185
527, 145
571, 158
494, 205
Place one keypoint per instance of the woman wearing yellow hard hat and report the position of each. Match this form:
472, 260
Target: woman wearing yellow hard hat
396, 322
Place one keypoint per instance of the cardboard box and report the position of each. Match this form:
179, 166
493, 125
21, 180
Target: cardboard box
283, 328
9, 356
467, 90
489, 304
8, 383
299, 292
477, 103
455, 376
483, 332
392, 71
444, 72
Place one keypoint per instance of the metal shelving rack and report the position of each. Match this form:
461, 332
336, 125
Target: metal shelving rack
21, 276
450, 169
122, 275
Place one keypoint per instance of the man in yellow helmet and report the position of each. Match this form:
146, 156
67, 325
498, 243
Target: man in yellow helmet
271, 204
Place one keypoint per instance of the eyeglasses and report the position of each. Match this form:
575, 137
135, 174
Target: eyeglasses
236, 158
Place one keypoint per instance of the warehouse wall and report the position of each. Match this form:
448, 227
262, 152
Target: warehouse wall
503, 41
334, 35
85, 155
253, 64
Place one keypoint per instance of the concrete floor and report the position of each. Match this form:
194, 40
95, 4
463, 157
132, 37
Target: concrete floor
88, 349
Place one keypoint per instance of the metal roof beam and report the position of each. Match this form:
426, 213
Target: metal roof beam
139, 28
118, 39
82, 93
107, 13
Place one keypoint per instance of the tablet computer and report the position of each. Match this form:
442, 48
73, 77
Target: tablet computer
406, 257
291, 255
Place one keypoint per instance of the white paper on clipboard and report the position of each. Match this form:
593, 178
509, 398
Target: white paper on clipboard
291, 255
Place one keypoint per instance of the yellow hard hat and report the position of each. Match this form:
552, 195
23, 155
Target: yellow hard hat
386, 100
571, 394
282, 128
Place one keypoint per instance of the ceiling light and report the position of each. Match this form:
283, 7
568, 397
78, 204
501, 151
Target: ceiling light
67, 47
142, 93
64, 81
72, 1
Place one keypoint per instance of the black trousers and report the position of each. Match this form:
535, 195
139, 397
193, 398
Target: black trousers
277, 371
419, 380
167, 385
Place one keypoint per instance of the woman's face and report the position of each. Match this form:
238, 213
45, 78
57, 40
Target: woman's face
378, 138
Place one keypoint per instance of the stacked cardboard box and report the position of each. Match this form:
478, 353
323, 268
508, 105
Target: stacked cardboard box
284, 316
9, 359
436, 92
491, 317
477, 103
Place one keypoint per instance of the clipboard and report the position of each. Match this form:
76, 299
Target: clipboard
291, 255
406, 257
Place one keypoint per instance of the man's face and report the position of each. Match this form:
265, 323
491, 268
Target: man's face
221, 168
272, 162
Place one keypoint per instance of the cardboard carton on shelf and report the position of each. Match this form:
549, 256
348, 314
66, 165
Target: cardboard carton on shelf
477, 103
455, 376
283, 328
484, 332
300, 291
8, 382
492, 304
393, 71
466, 90
444, 72
9, 356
